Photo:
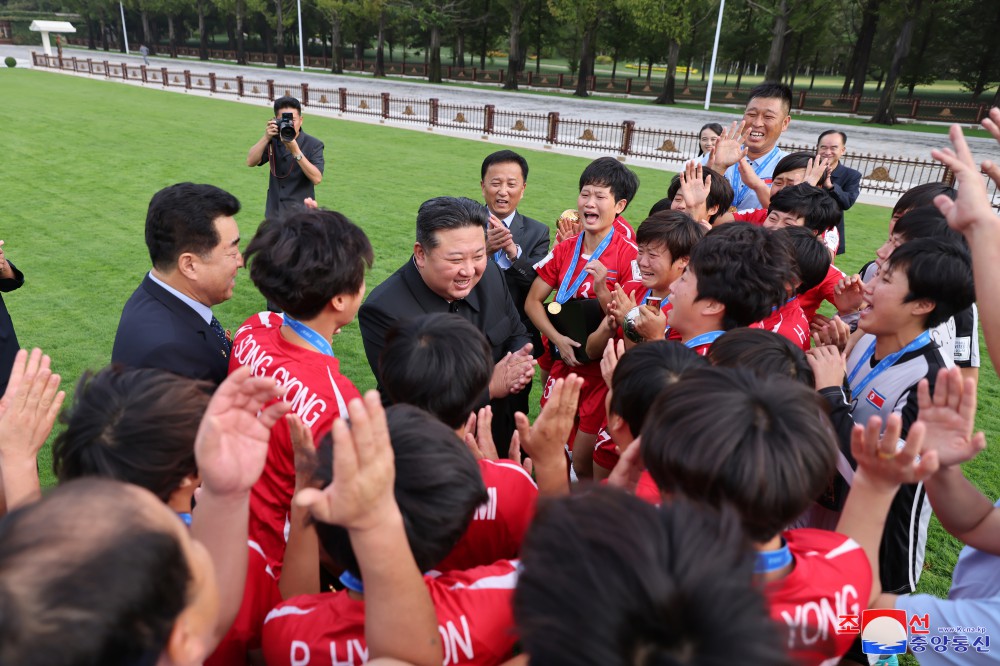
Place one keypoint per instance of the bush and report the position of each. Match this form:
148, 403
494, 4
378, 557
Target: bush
604, 60
10, 62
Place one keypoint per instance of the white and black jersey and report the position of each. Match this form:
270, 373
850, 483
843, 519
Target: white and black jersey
958, 337
901, 556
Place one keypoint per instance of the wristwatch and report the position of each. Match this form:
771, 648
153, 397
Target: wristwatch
298, 158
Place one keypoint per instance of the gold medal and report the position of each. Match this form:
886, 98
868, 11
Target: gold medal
554, 308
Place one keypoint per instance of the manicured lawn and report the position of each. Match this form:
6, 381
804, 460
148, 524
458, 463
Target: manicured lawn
80, 171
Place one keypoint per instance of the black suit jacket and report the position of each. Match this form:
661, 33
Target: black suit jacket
533, 238
158, 330
8, 339
845, 191
488, 306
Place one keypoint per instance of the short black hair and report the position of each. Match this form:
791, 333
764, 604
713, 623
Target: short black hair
818, 208
287, 102
447, 213
811, 255
609, 172
86, 579
791, 162
181, 218
763, 352
720, 192
502, 157
134, 425
772, 91
923, 195
609, 580
925, 222
743, 268
438, 362
438, 487
303, 259
643, 372
769, 451
672, 229
843, 137
937, 269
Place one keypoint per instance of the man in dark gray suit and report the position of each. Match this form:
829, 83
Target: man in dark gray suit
450, 272
167, 323
515, 242
842, 182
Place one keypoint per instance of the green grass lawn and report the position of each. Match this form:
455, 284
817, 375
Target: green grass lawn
77, 183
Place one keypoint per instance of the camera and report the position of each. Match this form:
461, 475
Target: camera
286, 127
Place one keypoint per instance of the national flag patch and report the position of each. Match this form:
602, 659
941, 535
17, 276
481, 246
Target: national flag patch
876, 399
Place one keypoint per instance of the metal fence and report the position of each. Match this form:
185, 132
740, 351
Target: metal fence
881, 174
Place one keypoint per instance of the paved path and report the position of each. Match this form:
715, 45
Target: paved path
860, 139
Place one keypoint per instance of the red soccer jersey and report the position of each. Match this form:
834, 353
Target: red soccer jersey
498, 526
755, 216
605, 451
617, 256
475, 621
647, 489
624, 228
812, 299
831, 578
259, 596
639, 292
789, 321
318, 394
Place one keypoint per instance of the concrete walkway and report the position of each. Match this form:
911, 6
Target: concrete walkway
860, 139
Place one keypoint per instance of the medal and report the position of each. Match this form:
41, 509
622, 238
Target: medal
554, 308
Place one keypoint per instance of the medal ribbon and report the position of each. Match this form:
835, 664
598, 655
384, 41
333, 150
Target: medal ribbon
773, 560
703, 339
567, 289
920, 341
738, 186
321, 344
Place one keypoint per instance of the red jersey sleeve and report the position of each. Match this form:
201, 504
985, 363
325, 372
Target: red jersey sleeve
755, 217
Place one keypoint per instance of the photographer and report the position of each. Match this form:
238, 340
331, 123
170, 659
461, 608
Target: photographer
296, 159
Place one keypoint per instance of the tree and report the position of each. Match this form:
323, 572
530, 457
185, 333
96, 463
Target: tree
857, 70
333, 11
671, 21
774, 70
434, 16
514, 62
587, 16
885, 113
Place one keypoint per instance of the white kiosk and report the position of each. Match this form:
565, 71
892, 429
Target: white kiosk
45, 27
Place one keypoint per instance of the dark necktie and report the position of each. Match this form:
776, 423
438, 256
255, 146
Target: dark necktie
221, 334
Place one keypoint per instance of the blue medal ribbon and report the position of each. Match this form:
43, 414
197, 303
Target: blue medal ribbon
773, 560
185, 518
703, 339
567, 289
738, 186
352, 582
920, 341
321, 344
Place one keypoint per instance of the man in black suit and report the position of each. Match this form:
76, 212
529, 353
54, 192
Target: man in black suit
167, 323
842, 183
10, 279
450, 272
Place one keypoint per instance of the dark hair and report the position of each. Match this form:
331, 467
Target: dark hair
769, 450
672, 229
811, 255
819, 209
609, 172
720, 192
939, 270
843, 137
764, 352
643, 372
133, 425
302, 260
660, 206
447, 213
925, 222
744, 268
772, 91
609, 580
85, 579
923, 195
181, 218
502, 157
287, 102
715, 127
438, 362
438, 487
791, 162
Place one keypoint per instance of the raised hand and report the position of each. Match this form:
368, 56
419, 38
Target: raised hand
627, 471
832, 332
613, 351
567, 228
364, 471
881, 459
972, 205
730, 148
694, 190
949, 417
849, 294
828, 365
817, 171
545, 440
303, 450
231, 445
479, 437
27, 412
